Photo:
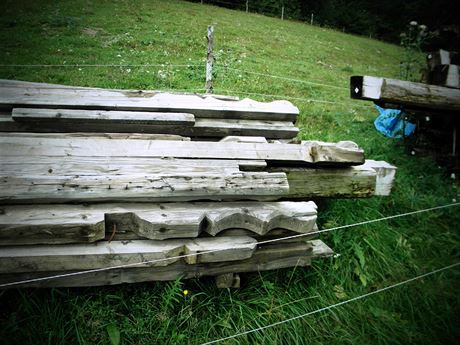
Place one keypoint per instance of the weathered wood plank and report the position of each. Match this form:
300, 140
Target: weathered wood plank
230, 127
404, 93
69, 120
350, 182
74, 116
97, 166
58, 224
99, 135
308, 152
44, 86
16, 259
142, 187
200, 106
267, 258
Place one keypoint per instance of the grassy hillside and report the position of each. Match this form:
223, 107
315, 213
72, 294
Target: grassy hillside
162, 33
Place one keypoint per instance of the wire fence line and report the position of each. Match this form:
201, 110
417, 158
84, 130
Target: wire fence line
315, 83
285, 78
336, 305
100, 65
148, 262
307, 100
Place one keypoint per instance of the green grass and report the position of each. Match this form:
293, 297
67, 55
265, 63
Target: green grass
372, 256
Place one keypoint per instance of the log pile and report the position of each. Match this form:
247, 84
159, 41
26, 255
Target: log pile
107, 181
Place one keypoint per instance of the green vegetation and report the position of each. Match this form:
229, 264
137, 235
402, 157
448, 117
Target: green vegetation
371, 256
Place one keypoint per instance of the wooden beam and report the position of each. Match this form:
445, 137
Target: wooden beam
59, 224
351, 182
97, 135
405, 93
267, 258
74, 116
139, 187
126, 100
446, 75
308, 152
70, 120
44, 86
16, 259
230, 127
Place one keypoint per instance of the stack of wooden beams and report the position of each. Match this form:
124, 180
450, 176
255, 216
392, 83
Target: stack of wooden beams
444, 68
131, 200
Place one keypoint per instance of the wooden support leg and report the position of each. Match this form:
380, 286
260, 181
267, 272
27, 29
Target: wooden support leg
228, 280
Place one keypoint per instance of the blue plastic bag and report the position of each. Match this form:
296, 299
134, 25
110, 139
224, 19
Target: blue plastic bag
391, 123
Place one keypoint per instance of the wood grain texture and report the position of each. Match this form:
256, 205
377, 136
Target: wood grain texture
75, 116
308, 152
405, 93
139, 187
93, 99
57, 224
267, 258
350, 182
16, 259
71, 120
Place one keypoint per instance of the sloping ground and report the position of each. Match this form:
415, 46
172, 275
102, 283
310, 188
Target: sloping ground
161, 33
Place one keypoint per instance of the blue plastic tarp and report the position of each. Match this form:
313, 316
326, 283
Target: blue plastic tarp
391, 123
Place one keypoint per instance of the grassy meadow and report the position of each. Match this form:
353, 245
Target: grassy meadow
315, 65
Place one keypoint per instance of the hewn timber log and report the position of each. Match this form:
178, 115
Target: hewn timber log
405, 93
95, 99
71, 120
269, 257
59, 224
308, 152
351, 182
142, 187
442, 57
74, 116
445, 75
44, 86
15, 259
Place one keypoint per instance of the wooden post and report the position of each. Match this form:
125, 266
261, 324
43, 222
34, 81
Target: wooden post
311, 20
282, 12
247, 6
202, 2
210, 60
454, 141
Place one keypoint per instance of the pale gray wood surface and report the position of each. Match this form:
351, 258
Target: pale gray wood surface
75, 116
54, 224
268, 258
16, 259
308, 152
139, 187
100, 135
200, 106
405, 93
44, 86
